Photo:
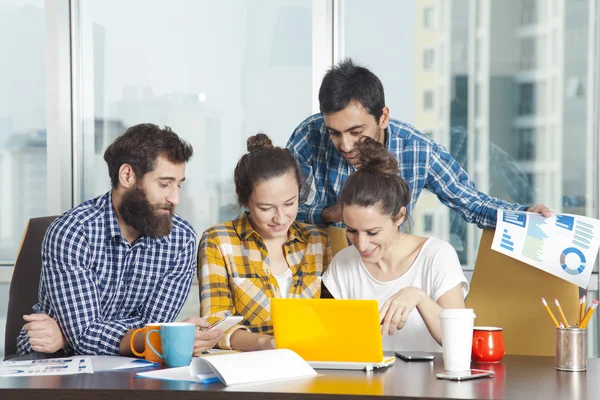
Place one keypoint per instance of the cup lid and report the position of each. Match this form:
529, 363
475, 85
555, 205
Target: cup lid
456, 313
487, 328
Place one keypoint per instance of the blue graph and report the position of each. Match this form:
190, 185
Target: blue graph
583, 235
519, 219
533, 247
565, 221
563, 261
506, 243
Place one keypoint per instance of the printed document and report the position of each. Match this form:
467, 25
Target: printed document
563, 245
50, 366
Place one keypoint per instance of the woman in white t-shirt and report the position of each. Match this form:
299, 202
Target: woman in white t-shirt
411, 277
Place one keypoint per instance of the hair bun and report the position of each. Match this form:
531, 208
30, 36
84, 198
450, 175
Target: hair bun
373, 156
260, 141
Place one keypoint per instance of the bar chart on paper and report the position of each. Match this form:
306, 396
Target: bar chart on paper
564, 245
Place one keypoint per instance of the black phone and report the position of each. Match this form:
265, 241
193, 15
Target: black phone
415, 356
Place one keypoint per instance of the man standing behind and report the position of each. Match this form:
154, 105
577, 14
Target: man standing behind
352, 103
121, 260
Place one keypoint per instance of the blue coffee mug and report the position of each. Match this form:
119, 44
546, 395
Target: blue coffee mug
177, 343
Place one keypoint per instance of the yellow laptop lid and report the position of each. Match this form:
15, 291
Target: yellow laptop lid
328, 330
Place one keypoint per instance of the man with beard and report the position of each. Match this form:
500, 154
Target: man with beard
121, 260
352, 105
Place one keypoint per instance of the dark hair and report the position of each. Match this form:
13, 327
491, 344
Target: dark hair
347, 82
376, 182
140, 146
262, 162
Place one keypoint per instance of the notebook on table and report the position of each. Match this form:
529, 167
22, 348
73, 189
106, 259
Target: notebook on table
330, 334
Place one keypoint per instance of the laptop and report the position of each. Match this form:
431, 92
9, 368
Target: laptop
330, 334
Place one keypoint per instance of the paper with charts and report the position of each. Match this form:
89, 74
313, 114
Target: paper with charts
563, 245
50, 366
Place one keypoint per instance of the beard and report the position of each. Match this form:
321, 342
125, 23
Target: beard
137, 212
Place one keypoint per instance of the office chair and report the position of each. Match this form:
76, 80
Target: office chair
23, 292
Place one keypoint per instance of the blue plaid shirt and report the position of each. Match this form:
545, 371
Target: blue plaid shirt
424, 164
97, 286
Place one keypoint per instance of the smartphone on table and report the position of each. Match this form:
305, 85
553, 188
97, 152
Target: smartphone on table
225, 323
465, 375
415, 356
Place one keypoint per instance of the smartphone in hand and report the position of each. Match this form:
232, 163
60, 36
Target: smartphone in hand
225, 323
415, 356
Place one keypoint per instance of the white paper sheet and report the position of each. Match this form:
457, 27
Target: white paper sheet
50, 366
108, 363
563, 245
253, 367
234, 368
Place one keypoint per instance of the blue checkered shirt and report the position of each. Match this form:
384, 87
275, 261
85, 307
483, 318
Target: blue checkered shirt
424, 164
97, 286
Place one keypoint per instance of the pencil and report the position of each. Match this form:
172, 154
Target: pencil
581, 309
588, 315
554, 321
562, 314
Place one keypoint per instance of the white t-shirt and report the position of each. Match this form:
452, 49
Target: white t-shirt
435, 270
285, 281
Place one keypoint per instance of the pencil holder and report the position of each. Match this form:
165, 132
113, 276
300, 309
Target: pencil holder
571, 349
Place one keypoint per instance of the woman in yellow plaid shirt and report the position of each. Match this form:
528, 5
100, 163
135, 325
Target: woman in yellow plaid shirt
263, 253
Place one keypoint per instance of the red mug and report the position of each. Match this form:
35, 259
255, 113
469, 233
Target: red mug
488, 344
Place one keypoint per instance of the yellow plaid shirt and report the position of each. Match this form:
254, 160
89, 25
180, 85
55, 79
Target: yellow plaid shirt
235, 277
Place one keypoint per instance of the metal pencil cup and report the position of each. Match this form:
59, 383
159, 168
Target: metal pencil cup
571, 349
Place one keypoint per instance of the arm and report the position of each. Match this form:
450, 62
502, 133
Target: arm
215, 293
454, 188
448, 288
250, 341
310, 211
396, 309
44, 333
72, 293
168, 297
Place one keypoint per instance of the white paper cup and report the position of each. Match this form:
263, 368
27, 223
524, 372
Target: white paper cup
457, 338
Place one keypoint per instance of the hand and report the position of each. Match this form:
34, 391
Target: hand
396, 309
44, 333
204, 340
540, 209
266, 342
332, 214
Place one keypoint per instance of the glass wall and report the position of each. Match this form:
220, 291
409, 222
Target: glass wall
22, 130
516, 91
215, 72
511, 95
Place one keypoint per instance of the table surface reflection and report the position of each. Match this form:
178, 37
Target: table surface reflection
516, 377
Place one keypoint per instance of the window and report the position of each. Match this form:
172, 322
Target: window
428, 223
527, 140
168, 68
529, 10
428, 18
527, 53
428, 59
526, 99
23, 159
428, 100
